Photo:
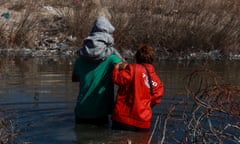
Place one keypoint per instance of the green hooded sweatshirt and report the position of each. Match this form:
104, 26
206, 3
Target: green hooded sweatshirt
96, 94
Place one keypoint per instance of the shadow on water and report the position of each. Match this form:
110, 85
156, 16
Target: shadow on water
38, 96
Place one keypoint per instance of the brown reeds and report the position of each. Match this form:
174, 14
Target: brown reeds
7, 132
214, 94
173, 27
20, 28
179, 26
212, 118
215, 100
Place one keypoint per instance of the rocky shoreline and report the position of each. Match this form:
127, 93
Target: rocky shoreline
52, 37
62, 50
27, 52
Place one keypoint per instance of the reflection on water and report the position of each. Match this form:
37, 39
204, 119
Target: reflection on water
38, 95
87, 134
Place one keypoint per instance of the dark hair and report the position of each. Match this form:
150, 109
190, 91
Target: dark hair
144, 54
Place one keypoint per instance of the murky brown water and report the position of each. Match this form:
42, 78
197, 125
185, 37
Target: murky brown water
38, 96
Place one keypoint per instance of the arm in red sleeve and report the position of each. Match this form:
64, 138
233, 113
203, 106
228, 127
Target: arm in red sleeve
121, 77
158, 93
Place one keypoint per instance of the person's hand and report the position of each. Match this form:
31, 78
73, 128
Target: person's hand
116, 66
123, 65
123, 59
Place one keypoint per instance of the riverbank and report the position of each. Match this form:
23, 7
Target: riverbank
178, 30
128, 54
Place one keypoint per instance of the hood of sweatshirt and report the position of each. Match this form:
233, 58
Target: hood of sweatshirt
99, 44
102, 24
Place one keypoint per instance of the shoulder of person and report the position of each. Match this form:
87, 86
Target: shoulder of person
132, 66
136, 65
113, 56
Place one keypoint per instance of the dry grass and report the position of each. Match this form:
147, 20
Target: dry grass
18, 30
184, 25
174, 27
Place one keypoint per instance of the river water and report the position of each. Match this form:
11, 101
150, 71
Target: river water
38, 97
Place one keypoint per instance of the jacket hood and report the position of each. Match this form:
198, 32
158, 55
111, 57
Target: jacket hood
99, 44
102, 24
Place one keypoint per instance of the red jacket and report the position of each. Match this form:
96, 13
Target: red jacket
134, 100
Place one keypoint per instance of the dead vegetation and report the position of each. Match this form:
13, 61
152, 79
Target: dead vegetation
7, 132
213, 117
174, 27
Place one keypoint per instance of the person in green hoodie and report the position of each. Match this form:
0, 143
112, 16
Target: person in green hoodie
92, 70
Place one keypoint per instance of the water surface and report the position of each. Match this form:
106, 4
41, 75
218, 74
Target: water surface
37, 95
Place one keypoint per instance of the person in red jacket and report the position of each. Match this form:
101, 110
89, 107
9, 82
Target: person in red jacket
140, 88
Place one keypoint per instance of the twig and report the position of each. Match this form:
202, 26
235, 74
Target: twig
165, 124
154, 129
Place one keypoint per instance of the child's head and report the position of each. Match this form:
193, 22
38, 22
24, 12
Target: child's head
144, 54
